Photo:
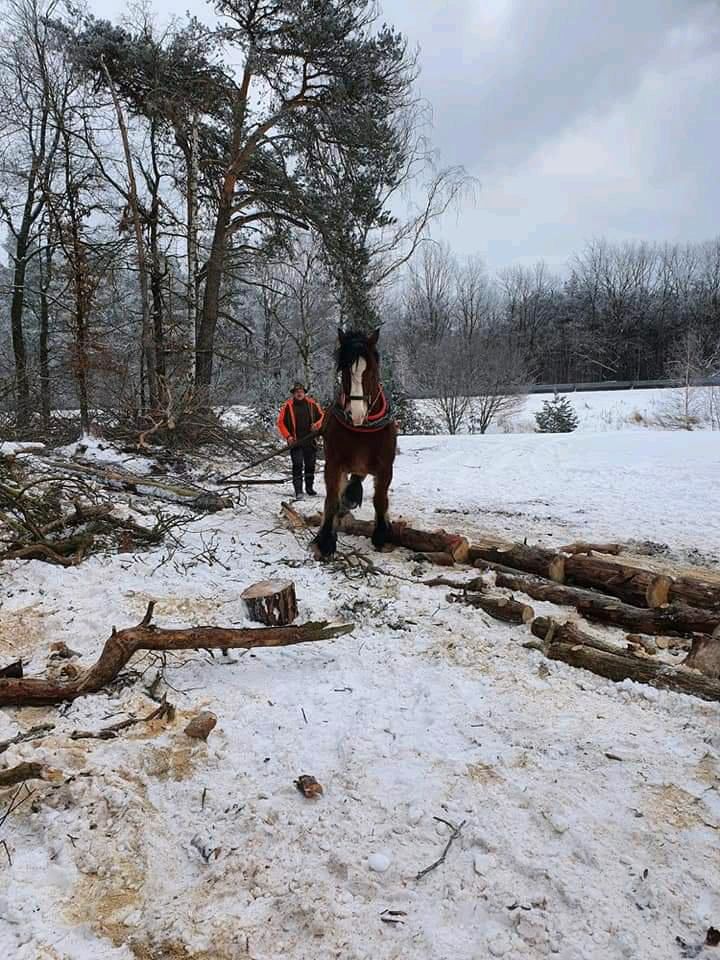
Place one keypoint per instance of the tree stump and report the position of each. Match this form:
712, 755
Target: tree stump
271, 602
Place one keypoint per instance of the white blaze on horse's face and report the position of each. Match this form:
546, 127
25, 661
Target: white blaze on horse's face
358, 408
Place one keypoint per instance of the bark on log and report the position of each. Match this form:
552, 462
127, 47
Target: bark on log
705, 655
674, 619
419, 541
580, 546
643, 588
640, 587
271, 602
538, 560
566, 642
502, 608
120, 647
697, 592
439, 559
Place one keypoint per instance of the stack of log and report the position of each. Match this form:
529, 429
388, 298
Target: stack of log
659, 611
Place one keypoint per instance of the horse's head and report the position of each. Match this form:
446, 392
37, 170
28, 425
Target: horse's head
357, 364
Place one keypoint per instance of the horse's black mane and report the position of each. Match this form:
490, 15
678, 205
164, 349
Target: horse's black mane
354, 344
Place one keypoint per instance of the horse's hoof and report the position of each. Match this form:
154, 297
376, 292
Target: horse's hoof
323, 549
382, 536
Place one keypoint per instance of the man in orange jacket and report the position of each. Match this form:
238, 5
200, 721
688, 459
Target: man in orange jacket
300, 418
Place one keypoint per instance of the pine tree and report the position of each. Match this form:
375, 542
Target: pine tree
557, 416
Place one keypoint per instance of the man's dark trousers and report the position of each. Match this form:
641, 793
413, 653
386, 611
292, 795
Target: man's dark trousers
304, 457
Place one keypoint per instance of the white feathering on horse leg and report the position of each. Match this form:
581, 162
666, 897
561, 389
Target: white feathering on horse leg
358, 408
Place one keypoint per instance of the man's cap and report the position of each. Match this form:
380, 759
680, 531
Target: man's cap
297, 386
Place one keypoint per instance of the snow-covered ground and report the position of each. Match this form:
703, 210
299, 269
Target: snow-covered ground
590, 810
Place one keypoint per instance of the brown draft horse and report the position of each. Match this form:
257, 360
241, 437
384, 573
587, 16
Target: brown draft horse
360, 439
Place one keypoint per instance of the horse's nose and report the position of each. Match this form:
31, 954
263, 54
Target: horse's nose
358, 412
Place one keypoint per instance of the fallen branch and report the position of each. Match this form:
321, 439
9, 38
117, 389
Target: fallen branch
566, 642
34, 733
441, 859
165, 710
252, 481
121, 646
115, 479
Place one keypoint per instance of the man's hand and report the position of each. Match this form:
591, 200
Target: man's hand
290, 441
316, 426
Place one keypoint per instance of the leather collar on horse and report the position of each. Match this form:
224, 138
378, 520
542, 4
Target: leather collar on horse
379, 413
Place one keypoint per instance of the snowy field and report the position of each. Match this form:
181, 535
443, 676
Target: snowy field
590, 810
597, 410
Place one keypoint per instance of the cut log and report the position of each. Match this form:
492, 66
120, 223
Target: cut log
124, 643
271, 602
643, 588
439, 559
640, 587
419, 541
566, 642
674, 619
518, 556
580, 546
696, 591
705, 655
502, 608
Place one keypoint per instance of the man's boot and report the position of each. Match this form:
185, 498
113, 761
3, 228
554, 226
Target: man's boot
310, 484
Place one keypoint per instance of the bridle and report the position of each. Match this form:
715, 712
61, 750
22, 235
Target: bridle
375, 419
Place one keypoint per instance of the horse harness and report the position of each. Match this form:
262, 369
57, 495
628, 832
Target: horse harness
374, 421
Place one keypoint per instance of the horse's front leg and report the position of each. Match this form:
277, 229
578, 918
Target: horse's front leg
382, 533
325, 542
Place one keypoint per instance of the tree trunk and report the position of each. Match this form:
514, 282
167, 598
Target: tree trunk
44, 359
82, 362
191, 164
156, 274
271, 602
205, 342
567, 643
17, 304
148, 339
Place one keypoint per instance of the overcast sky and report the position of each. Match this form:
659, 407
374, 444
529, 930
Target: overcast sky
579, 118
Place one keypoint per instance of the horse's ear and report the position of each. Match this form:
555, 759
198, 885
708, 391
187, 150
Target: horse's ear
373, 338
341, 334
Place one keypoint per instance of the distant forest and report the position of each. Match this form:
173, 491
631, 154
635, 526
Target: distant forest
178, 235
